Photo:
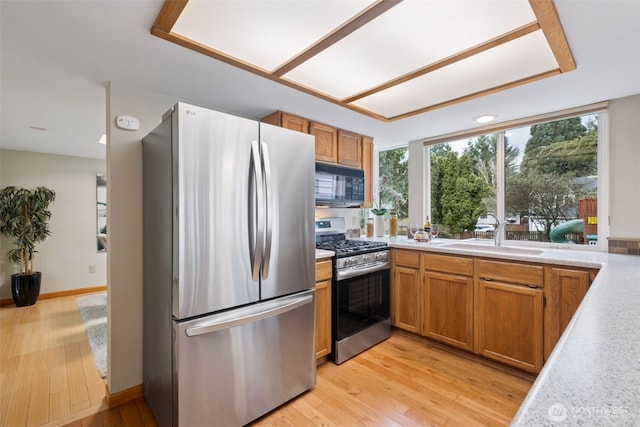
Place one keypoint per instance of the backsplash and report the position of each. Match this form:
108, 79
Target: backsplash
624, 246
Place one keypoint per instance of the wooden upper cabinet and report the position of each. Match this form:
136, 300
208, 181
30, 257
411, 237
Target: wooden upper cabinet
367, 166
295, 123
289, 121
334, 146
349, 149
326, 142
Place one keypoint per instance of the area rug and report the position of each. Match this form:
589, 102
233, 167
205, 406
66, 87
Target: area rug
93, 310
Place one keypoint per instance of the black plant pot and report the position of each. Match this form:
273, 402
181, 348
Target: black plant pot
25, 288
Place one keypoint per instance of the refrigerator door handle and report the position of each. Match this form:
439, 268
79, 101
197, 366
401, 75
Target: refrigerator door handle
290, 304
269, 214
256, 218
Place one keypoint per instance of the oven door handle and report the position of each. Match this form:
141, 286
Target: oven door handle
347, 273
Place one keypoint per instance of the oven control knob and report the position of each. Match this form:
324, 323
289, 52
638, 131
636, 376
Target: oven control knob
348, 262
381, 256
366, 258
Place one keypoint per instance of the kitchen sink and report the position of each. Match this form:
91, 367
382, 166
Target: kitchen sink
480, 247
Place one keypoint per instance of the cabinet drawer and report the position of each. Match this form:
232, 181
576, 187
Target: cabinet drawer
510, 272
407, 258
448, 264
323, 270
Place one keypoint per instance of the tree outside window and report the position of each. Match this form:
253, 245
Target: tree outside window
393, 181
550, 172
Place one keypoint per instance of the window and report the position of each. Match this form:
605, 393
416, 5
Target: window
393, 183
541, 179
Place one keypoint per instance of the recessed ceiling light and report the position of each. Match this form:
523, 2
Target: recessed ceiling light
37, 128
103, 140
485, 118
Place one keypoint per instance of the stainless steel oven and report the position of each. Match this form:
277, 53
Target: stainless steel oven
361, 304
361, 290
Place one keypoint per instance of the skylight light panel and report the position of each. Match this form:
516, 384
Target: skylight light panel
263, 33
524, 57
406, 38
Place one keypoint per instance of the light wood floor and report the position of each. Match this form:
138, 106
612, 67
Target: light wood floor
48, 377
47, 372
407, 381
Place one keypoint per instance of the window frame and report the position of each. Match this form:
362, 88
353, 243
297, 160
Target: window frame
500, 129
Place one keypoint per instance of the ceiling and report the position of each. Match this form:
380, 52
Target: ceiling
56, 58
351, 52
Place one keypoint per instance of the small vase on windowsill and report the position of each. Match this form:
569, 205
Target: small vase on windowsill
378, 220
379, 226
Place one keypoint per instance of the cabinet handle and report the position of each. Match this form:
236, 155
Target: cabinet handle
533, 286
488, 279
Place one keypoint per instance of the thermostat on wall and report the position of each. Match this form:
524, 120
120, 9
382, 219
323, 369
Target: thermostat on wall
127, 123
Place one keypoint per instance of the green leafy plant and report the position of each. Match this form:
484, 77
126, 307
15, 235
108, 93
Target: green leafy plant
24, 216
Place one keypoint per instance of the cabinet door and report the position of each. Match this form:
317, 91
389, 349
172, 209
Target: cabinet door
367, 166
508, 324
326, 142
296, 123
286, 120
349, 149
448, 310
323, 318
564, 290
406, 299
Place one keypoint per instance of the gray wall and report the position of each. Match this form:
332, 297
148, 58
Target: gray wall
124, 195
624, 123
65, 257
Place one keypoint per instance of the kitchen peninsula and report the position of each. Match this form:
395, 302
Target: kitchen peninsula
592, 376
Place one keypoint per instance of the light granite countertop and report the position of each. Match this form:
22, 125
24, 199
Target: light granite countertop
322, 254
593, 375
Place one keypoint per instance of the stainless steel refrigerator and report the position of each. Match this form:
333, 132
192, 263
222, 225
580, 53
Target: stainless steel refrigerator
229, 257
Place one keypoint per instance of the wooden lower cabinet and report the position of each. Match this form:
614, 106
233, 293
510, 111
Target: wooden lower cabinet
323, 308
448, 309
564, 290
406, 295
509, 312
448, 299
509, 324
406, 299
512, 312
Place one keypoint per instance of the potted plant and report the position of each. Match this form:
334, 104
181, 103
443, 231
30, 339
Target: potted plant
24, 216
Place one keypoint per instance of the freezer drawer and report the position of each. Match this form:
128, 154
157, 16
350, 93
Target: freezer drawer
233, 367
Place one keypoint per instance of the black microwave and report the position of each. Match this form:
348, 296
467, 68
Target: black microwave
339, 186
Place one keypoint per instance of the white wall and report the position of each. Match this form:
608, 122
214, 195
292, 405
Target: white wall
65, 256
624, 124
124, 195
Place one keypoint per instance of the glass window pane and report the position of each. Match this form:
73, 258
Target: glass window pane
393, 184
551, 181
463, 185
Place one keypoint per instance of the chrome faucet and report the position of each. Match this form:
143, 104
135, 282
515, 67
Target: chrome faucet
497, 236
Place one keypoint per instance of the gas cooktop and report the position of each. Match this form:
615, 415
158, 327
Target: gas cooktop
349, 247
330, 235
